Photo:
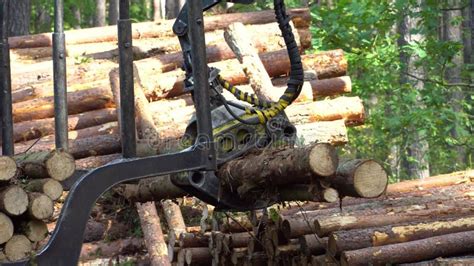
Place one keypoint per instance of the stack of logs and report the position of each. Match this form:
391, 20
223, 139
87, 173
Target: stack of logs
29, 186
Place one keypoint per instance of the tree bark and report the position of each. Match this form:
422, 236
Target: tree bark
19, 17
8, 169
18, 248
192, 240
391, 234
153, 30
425, 249
7, 228
153, 234
311, 245
236, 37
256, 170
174, 217
57, 164
13, 200
96, 161
113, 12
99, 19
332, 132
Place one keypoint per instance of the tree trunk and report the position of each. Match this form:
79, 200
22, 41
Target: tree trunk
417, 162
99, 19
7, 228
380, 236
13, 200
425, 249
17, 248
174, 217
76, 12
153, 234
58, 165
113, 12
19, 13
453, 33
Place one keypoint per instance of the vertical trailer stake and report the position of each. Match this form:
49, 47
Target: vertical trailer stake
127, 94
5, 83
60, 85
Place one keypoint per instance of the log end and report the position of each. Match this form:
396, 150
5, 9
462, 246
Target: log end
19, 247
7, 228
323, 160
60, 165
8, 168
370, 179
40, 207
330, 195
53, 189
14, 201
35, 230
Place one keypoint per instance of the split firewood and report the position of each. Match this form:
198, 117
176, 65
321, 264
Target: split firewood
8, 169
58, 165
153, 30
40, 206
278, 165
360, 178
13, 200
174, 217
312, 245
33, 129
325, 225
34, 230
424, 249
236, 37
17, 248
371, 237
78, 102
153, 234
48, 186
6, 225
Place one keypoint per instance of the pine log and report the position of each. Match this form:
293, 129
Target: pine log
34, 230
362, 238
360, 178
326, 225
78, 102
40, 206
198, 256
33, 129
239, 240
236, 37
13, 200
241, 223
152, 29
312, 245
8, 168
18, 248
431, 182
277, 165
307, 193
109, 249
238, 255
327, 64
6, 225
424, 249
96, 161
296, 227
332, 132
153, 234
57, 164
48, 186
191, 240
330, 87
174, 217
350, 109
150, 189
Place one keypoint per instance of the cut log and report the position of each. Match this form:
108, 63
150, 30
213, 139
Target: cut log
153, 234
278, 165
239, 240
174, 217
40, 206
18, 248
236, 37
198, 256
432, 182
312, 245
8, 168
238, 255
332, 132
190, 240
48, 186
57, 164
277, 63
326, 225
360, 178
330, 87
296, 227
357, 239
34, 230
424, 249
109, 249
350, 109
13, 200
150, 189
307, 193
6, 225
153, 30
96, 161
33, 129
241, 223
78, 102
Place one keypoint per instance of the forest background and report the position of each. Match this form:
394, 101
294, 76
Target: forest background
411, 62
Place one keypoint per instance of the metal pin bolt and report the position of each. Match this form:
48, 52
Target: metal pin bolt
127, 45
199, 21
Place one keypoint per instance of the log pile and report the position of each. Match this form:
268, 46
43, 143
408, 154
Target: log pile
29, 187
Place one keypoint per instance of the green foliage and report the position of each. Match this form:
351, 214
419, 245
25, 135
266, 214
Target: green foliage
367, 31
